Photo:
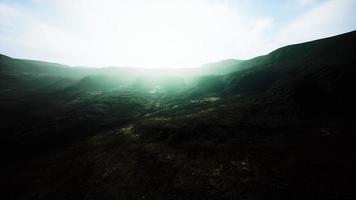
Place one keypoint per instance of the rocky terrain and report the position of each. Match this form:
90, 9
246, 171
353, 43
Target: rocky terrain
278, 126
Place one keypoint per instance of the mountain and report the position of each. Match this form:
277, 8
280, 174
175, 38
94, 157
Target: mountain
222, 67
294, 59
16, 66
278, 126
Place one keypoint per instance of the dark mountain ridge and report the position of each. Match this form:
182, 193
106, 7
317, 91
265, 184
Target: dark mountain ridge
278, 126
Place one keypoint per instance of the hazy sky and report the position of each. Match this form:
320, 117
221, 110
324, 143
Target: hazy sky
159, 33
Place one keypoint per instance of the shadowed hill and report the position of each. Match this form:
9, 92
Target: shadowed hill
279, 126
258, 74
17, 66
336, 49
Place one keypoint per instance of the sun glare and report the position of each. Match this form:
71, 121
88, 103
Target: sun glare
163, 33
156, 35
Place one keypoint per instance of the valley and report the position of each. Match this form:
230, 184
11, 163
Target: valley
278, 126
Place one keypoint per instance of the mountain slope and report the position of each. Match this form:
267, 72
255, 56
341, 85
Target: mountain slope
324, 51
288, 62
280, 127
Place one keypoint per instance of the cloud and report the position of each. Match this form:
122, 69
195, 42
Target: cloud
304, 3
180, 33
7, 15
329, 18
158, 32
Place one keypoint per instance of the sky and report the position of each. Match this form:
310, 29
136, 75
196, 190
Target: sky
164, 33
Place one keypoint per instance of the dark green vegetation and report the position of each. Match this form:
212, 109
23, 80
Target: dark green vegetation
279, 126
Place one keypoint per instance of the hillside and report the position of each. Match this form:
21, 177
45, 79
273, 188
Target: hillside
278, 126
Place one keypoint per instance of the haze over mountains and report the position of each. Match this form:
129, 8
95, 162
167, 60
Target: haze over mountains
278, 126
